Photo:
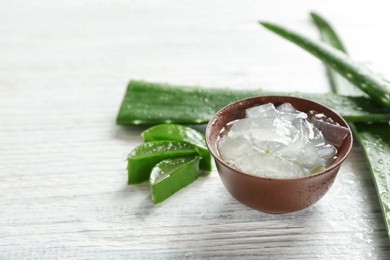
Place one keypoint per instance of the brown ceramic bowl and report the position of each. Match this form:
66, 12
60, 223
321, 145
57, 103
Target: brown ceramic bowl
267, 194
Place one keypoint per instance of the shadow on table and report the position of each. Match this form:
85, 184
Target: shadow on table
128, 133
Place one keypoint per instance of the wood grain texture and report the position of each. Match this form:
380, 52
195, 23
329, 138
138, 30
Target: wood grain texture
64, 66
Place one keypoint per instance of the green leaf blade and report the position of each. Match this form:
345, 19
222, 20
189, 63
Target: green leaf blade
376, 87
374, 138
147, 103
328, 35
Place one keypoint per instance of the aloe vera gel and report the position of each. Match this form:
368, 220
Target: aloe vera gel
276, 142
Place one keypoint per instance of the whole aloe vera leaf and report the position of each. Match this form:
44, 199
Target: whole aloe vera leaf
327, 32
148, 103
328, 35
374, 138
375, 86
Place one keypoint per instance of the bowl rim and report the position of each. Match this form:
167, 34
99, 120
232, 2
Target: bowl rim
216, 155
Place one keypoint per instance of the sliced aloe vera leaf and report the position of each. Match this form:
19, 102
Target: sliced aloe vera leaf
374, 138
171, 175
144, 157
372, 84
147, 103
181, 133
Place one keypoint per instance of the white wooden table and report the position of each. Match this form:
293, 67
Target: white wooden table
64, 66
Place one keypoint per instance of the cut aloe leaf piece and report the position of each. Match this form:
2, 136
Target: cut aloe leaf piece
181, 133
147, 103
171, 175
144, 157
